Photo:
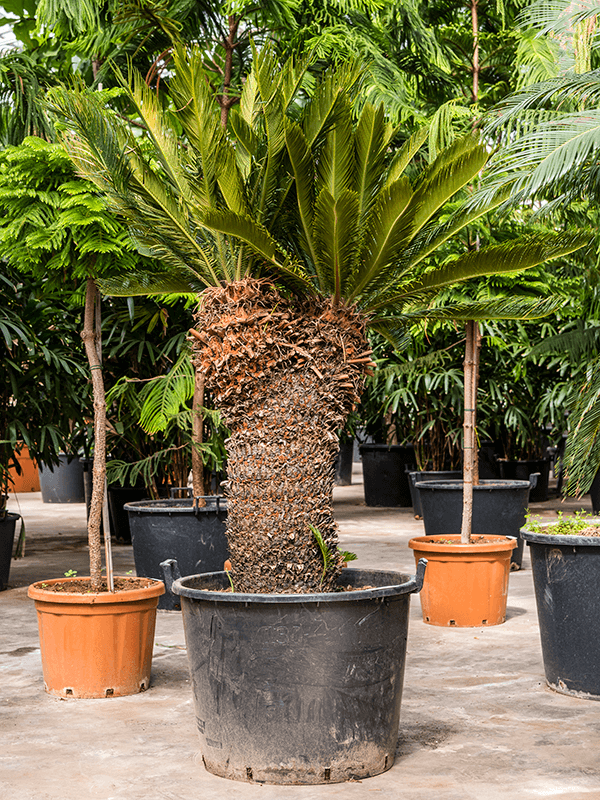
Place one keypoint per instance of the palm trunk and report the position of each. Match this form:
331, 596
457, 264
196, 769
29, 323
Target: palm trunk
92, 299
285, 375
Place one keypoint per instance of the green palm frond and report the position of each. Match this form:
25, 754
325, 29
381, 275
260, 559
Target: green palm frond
582, 453
502, 258
163, 398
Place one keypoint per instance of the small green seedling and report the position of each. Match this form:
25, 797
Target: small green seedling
327, 555
70, 573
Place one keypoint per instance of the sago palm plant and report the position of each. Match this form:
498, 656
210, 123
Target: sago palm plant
300, 226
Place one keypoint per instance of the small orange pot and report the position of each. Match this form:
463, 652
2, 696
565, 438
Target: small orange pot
97, 644
466, 585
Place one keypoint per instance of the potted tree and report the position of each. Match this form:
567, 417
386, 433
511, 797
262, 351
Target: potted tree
468, 582
96, 633
298, 236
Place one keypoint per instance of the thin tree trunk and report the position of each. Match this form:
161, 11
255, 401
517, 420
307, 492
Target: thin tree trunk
92, 298
229, 43
197, 426
475, 66
470, 461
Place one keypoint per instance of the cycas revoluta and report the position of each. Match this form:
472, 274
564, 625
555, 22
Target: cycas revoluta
299, 227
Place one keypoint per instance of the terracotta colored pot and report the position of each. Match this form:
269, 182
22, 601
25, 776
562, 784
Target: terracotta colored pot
466, 585
96, 645
29, 479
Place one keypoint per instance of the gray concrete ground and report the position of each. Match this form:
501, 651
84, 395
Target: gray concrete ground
477, 721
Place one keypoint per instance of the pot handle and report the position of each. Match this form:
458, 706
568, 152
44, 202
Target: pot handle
533, 479
416, 584
171, 573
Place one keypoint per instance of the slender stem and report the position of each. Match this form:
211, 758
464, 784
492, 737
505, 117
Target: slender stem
229, 43
475, 65
92, 301
197, 425
469, 433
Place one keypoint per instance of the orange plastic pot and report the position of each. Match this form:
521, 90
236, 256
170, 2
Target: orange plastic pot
466, 585
29, 479
97, 644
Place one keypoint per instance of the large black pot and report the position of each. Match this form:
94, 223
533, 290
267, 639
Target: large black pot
430, 475
498, 509
297, 689
63, 482
521, 470
8, 525
566, 578
384, 473
194, 536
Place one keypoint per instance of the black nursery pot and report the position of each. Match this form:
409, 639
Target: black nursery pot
521, 470
164, 529
498, 509
343, 464
566, 578
384, 473
8, 525
430, 475
297, 689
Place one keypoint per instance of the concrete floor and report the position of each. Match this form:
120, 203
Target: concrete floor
477, 721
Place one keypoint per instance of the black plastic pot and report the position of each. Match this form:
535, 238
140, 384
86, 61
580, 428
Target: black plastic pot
7, 537
62, 483
118, 498
521, 470
595, 494
343, 464
297, 689
194, 536
566, 578
430, 475
384, 473
498, 509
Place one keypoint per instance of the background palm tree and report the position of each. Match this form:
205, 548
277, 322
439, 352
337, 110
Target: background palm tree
300, 225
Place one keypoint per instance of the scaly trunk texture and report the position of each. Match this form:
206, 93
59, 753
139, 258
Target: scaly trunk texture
285, 373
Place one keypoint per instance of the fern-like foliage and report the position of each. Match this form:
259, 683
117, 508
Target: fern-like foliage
299, 189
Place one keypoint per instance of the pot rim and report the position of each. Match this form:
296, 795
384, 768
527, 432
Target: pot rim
486, 484
36, 592
408, 585
428, 544
183, 505
12, 515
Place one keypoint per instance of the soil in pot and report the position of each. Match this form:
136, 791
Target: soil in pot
297, 689
466, 585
